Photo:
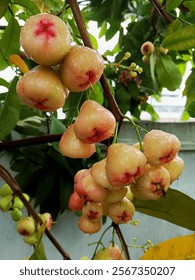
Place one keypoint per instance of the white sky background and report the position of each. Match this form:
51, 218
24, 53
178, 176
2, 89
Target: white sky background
170, 107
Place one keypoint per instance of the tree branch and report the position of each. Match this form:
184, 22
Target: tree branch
7, 177
161, 11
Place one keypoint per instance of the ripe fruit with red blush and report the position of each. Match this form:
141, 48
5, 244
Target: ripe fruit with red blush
124, 164
81, 68
113, 252
87, 226
47, 220
26, 226
92, 211
72, 147
45, 38
147, 48
152, 184
160, 147
75, 202
87, 188
175, 168
94, 123
41, 89
98, 172
121, 212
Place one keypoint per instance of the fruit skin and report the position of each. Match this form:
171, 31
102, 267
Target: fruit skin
113, 252
16, 214
152, 184
86, 226
147, 48
124, 164
45, 38
98, 172
6, 203
41, 89
26, 226
87, 188
175, 168
5, 190
121, 212
81, 68
17, 203
75, 202
72, 147
160, 147
47, 220
115, 195
94, 123
92, 211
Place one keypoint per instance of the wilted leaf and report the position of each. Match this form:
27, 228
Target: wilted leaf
176, 208
179, 248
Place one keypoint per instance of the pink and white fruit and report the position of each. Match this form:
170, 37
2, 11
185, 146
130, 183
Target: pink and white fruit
124, 164
121, 212
175, 168
152, 184
87, 226
115, 195
98, 172
113, 252
87, 188
160, 147
41, 89
45, 38
94, 123
72, 147
75, 202
26, 226
81, 68
147, 48
92, 211
47, 220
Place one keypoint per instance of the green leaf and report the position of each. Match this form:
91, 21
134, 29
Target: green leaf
189, 92
3, 7
182, 39
4, 83
29, 5
168, 73
176, 208
172, 4
10, 111
103, 29
39, 252
190, 5
173, 27
9, 42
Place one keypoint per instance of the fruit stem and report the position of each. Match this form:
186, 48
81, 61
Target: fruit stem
87, 42
7, 177
122, 240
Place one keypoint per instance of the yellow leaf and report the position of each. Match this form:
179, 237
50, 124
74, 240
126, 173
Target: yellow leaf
19, 62
179, 248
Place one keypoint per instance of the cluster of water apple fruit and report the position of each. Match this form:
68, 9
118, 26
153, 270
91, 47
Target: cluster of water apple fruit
144, 170
62, 67
26, 226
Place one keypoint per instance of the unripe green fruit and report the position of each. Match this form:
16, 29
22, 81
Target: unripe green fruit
31, 239
6, 203
17, 203
26, 196
5, 190
16, 214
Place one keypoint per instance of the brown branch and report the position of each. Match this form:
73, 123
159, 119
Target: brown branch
122, 240
87, 42
30, 141
161, 11
7, 177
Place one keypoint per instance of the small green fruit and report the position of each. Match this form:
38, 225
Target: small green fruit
5, 190
26, 196
31, 239
26, 226
16, 214
17, 203
6, 203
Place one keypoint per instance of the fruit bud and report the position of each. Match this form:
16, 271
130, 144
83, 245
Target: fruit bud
47, 220
17, 203
31, 239
16, 214
6, 203
26, 226
5, 190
